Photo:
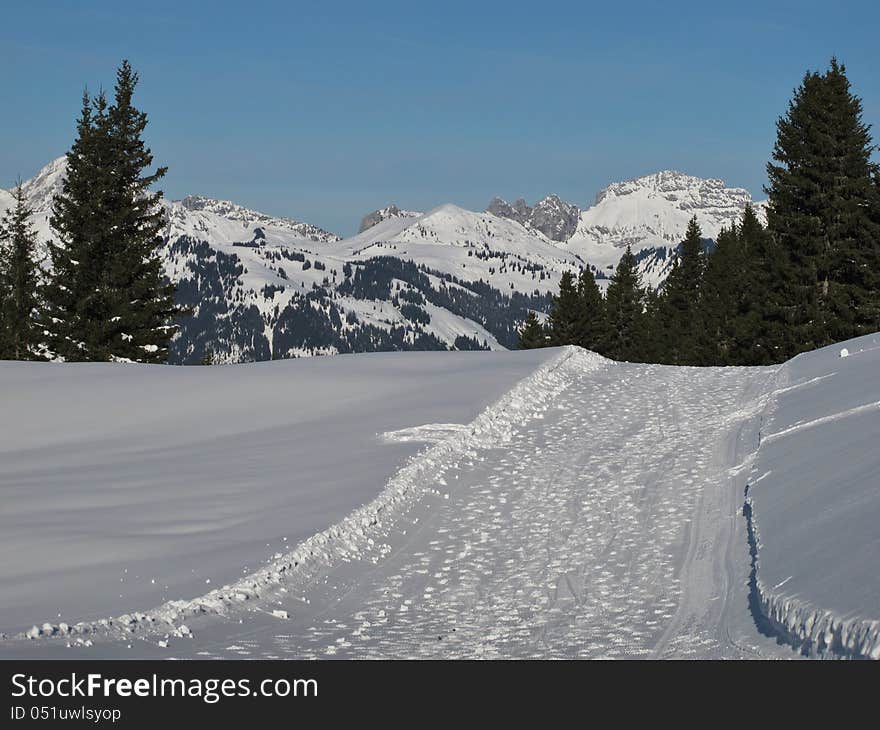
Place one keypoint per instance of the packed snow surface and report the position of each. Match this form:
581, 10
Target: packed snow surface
560, 505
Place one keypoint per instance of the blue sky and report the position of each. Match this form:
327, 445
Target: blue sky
325, 110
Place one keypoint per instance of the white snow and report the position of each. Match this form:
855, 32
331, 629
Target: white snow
127, 485
562, 505
816, 513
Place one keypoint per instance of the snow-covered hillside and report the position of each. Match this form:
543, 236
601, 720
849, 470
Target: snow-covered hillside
262, 286
591, 509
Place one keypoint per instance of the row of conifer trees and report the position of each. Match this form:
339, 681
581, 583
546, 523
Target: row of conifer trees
105, 297
762, 295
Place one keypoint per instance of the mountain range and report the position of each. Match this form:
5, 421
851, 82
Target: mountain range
262, 287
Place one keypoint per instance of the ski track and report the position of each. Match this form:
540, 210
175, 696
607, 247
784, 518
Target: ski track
604, 525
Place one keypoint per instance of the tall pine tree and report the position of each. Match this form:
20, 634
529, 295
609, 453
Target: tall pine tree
533, 334
824, 215
107, 297
142, 303
565, 314
21, 334
625, 337
591, 322
678, 306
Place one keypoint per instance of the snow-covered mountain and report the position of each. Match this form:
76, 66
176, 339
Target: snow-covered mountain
649, 213
261, 286
652, 213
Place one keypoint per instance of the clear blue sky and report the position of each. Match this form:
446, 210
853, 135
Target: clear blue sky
325, 110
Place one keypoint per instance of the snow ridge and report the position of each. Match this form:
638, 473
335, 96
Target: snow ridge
814, 631
358, 535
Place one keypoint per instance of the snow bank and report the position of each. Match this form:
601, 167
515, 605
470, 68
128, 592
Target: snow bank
354, 535
814, 503
126, 486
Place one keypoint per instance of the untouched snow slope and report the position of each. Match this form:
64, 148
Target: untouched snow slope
594, 509
123, 487
815, 501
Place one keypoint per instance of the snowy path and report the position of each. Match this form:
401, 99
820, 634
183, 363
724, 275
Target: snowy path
607, 524
609, 527
603, 530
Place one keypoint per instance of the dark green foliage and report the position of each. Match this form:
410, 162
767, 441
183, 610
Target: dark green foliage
533, 334
626, 336
824, 216
21, 332
677, 312
565, 315
107, 296
591, 324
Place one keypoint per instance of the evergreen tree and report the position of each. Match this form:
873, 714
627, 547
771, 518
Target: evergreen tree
624, 305
565, 314
21, 334
142, 301
678, 306
73, 307
532, 335
107, 297
720, 288
590, 324
758, 326
824, 216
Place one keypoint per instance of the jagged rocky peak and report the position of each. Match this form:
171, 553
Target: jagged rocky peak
384, 214
685, 191
555, 218
552, 216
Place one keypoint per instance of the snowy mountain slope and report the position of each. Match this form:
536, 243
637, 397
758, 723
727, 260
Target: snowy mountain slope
814, 502
263, 286
155, 482
525, 532
6, 201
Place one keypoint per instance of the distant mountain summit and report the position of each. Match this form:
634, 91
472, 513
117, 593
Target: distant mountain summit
384, 214
552, 216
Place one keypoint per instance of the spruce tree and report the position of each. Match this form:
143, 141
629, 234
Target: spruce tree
720, 299
107, 297
678, 306
532, 335
142, 302
590, 324
21, 334
824, 216
72, 293
565, 314
624, 305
